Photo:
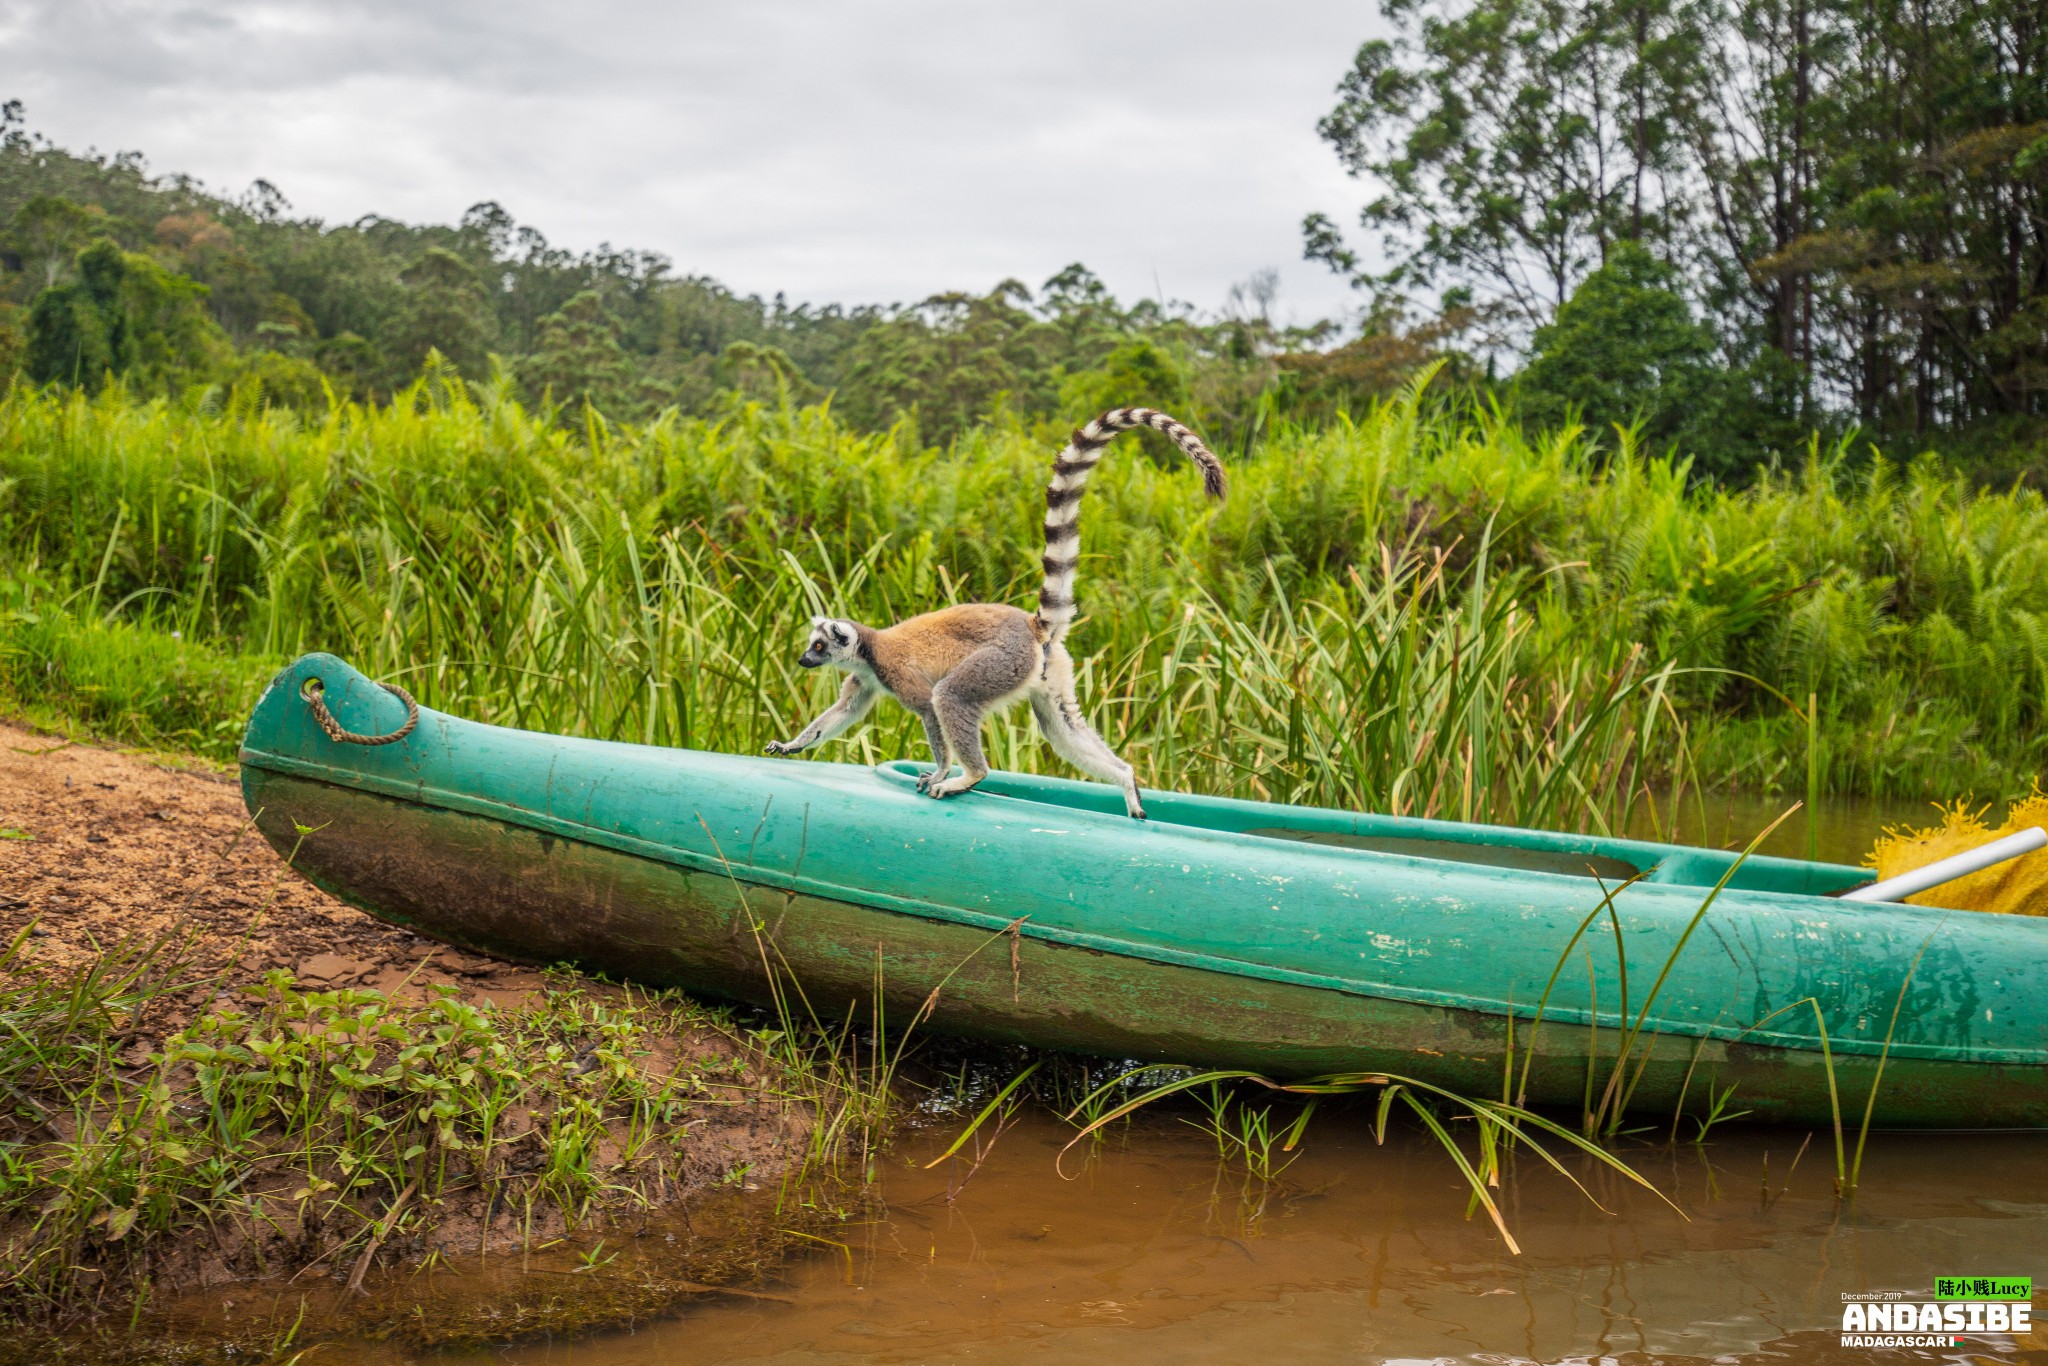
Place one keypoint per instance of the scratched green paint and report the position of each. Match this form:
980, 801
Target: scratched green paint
1182, 939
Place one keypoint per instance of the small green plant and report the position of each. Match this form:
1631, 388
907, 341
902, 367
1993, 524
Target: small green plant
1075, 1088
1002, 1109
1717, 1110
852, 1093
328, 1125
1247, 1134
595, 1258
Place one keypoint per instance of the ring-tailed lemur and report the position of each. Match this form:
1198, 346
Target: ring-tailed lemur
954, 666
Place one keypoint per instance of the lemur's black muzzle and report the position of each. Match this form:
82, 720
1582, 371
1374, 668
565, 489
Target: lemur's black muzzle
811, 658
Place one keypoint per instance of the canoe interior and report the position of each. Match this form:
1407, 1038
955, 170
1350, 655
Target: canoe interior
1491, 846
1515, 857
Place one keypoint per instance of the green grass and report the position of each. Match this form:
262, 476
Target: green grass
1417, 609
128, 682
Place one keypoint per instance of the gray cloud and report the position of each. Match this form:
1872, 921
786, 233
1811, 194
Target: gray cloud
852, 152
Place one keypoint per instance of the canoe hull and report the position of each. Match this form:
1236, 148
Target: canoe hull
505, 888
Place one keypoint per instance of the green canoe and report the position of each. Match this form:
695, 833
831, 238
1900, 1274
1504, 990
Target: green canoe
1290, 940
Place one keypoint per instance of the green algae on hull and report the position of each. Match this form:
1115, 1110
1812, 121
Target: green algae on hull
1041, 915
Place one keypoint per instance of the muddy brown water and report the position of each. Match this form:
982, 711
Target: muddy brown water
1155, 1251
1152, 1249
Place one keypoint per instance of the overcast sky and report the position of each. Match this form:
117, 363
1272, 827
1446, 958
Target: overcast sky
855, 151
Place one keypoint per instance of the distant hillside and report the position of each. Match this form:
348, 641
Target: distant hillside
106, 269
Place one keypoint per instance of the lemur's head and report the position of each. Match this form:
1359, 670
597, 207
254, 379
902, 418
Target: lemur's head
833, 642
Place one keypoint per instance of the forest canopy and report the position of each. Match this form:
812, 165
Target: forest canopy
1851, 195
1734, 227
110, 273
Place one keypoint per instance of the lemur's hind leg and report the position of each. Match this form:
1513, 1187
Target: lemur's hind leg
961, 720
986, 678
942, 759
1073, 739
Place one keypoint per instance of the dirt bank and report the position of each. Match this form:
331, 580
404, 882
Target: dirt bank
492, 1106
102, 846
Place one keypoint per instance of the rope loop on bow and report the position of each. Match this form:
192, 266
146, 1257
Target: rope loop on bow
313, 691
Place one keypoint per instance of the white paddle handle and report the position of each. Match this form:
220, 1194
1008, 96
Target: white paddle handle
1949, 869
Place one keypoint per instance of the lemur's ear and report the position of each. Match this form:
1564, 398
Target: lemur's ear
818, 621
840, 632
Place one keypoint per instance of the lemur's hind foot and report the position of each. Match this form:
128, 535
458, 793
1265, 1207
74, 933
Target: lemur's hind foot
951, 787
1073, 739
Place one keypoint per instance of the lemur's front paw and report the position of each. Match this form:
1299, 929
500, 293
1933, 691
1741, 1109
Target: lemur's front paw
926, 779
780, 747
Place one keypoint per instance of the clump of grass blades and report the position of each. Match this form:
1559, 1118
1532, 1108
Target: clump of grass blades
854, 1072
1246, 1135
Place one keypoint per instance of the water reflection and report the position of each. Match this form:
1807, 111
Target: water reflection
1155, 1252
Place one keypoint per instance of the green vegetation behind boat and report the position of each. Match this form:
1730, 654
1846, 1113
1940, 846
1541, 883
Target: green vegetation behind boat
1292, 941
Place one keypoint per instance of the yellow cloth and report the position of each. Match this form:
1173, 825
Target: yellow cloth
2016, 887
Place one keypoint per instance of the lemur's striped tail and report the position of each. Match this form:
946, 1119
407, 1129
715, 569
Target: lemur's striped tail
1063, 501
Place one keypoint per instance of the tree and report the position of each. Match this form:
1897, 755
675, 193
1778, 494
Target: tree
13, 343
1626, 351
1754, 114
952, 360
1855, 191
126, 316
1512, 143
352, 364
1139, 372
278, 379
579, 359
1930, 241
244, 299
762, 374
48, 232
447, 310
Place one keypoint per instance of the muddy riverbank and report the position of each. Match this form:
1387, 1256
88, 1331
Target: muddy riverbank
105, 846
218, 1082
